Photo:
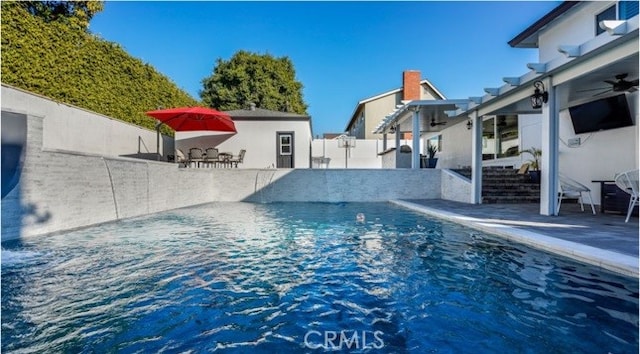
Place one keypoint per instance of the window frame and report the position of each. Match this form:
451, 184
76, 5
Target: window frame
614, 9
289, 144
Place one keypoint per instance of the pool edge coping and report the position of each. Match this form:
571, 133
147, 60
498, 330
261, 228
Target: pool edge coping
615, 262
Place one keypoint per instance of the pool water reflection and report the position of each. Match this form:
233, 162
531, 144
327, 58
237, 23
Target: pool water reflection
296, 277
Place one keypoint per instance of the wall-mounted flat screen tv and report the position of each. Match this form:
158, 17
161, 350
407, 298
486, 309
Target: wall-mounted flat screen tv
606, 113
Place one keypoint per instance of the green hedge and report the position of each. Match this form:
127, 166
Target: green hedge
75, 67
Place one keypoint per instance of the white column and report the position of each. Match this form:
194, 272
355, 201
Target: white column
476, 159
415, 152
397, 145
549, 158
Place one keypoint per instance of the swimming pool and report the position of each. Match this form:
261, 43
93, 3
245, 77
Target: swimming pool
305, 277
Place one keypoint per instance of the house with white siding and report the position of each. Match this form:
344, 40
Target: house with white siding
587, 64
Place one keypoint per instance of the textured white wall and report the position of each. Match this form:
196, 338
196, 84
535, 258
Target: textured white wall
456, 146
259, 139
69, 128
61, 191
601, 154
455, 187
575, 27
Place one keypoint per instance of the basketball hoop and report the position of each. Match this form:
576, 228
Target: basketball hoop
346, 142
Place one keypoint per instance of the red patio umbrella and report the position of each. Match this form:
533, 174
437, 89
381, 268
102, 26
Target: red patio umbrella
194, 118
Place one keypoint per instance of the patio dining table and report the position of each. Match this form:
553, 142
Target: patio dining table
224, 158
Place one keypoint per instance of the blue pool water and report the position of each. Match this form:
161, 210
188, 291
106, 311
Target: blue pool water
305, 277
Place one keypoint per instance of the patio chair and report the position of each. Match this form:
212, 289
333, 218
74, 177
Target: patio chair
195, 155
238, 159
628, 182
181, 159
570, 188
211, 157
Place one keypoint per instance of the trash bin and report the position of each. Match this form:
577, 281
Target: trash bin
423, 161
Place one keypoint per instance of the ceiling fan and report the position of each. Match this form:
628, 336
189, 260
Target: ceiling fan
434, 123
620, 85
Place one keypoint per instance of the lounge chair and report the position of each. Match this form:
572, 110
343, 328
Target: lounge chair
211, 157
237, 159
628, 182
195, 155
570, 188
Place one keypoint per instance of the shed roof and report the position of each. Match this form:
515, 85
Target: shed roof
264, 114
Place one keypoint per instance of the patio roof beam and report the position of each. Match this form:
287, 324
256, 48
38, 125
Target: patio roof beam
538, 68
476, 99
512, 81
627, 43
492, 91
570, 51
614, 27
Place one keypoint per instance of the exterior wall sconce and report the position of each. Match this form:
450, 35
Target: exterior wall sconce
538, 98
469, 124
392, 130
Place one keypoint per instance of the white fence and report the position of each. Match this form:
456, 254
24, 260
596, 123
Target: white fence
327, 153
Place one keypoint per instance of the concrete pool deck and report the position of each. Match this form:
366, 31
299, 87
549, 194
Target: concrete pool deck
604, 240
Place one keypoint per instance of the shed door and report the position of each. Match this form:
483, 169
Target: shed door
284, 153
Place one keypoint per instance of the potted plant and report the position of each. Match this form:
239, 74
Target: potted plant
431, 153
534, 163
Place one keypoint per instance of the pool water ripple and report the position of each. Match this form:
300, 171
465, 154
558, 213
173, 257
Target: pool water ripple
235, 277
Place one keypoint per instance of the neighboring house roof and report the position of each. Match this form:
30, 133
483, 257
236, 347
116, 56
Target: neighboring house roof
264, 114
392, 92
529, 37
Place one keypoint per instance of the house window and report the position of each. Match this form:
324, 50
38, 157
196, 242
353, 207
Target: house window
507, 142
608, 14
500, 137
488, 139
285, 144
627, 9
436, 141
623, 10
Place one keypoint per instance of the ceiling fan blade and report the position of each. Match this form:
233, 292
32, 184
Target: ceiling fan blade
594, 89
634, 82
603, 92
610, 82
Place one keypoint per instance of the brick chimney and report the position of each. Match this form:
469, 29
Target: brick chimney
410, 85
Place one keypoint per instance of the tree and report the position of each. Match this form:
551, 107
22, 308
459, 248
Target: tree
248, 77
75, 13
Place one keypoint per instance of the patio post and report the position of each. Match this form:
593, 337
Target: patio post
397, 145
476, 159
549, 159
158, 140
415, 152
384, 142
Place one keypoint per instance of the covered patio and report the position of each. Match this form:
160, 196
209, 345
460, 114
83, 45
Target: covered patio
570, 78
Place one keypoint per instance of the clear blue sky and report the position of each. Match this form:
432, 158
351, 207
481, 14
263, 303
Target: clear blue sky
343, 52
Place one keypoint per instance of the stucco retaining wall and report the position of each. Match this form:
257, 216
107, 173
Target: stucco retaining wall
455, 187
69, 128
60, 191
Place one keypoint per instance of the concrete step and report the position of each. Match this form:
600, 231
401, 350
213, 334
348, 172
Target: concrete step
505, 186
509, 199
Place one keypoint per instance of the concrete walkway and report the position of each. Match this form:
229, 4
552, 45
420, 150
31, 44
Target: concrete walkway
604, 240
